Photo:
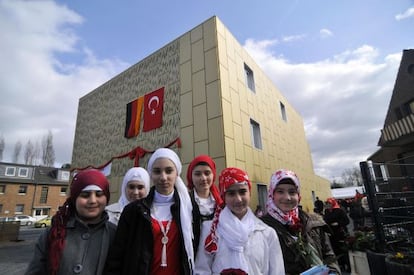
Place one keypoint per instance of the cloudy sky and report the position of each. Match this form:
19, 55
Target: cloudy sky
335, 61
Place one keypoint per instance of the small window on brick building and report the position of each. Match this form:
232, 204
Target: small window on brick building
2, 189
63, 191
19, 209
22, 189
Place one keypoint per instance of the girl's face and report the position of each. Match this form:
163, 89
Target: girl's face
237, 199
202, 177
135, 190
286, 197
90, 205
164, 175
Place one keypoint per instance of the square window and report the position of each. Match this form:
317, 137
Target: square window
65, 175
249, 78
63, 191
19, 209
256, 136
10, 171
23, 172
22, 189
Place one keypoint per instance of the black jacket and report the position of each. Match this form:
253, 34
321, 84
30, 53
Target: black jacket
132, 249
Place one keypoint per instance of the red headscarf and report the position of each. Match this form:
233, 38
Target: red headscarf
333, 202
228, 177
57, 232
213, 188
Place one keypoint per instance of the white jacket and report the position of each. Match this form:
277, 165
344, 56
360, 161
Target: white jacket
262, 251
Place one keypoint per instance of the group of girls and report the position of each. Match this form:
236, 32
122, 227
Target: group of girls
174, 228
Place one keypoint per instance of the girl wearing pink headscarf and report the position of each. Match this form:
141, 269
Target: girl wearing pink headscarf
239, 242
302, 237
205, 196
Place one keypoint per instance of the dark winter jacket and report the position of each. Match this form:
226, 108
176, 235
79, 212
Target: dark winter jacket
132, 249
314, 233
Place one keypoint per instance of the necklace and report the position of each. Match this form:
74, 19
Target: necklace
164, 241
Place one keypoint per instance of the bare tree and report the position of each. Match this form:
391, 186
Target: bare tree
48, 153
17, 150
29, 153
352, 177
36, 154
2, 145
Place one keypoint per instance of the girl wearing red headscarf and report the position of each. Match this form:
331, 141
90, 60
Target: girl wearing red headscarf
80, 236
204, 194
239, 242
337, 219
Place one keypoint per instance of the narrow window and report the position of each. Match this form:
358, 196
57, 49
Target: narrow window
10, 171
249, 78
43, 194
256, 137
2, 189
22, 189
283, 111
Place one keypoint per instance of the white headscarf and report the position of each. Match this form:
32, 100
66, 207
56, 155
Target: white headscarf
185, 201
135, 173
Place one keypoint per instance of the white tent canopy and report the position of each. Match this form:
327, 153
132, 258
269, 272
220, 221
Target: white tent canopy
346, 192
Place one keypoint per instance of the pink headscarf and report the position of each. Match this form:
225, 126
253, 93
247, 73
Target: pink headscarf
292, 217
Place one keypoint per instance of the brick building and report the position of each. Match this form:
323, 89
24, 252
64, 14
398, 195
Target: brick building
31, 190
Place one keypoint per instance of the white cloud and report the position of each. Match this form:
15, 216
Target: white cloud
324, 33
293, 38
343, 101
407, 14
40, 92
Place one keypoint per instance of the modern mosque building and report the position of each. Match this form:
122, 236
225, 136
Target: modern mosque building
200, 94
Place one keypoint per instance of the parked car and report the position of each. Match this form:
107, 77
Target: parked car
45, 222
25, 219
8, 219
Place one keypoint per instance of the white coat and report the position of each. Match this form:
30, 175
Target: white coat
262, 252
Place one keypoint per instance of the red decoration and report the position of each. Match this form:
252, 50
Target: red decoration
135, 154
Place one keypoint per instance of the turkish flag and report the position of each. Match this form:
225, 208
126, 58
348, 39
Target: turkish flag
153, 108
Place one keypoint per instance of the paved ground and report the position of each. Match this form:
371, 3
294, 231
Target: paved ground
16, 255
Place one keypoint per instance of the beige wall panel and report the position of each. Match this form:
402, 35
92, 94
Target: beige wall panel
211, 63
222, 53
238, 141
230, 152
196, 33
220, 165
213, 100
200, 122
216, 137
186, 110
185, 77
225, 87
232, 76
201, 148
210, 34
227, 119
197, 56
187, 143
235, 106
199, 88
185, 48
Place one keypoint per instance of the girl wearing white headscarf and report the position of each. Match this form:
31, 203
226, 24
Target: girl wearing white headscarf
135, 185
154, 235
